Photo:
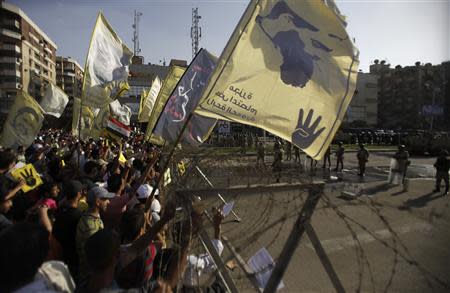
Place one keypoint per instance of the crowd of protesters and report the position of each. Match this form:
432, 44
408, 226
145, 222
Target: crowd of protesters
98, 223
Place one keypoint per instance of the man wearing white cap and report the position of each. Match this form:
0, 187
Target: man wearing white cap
144, 191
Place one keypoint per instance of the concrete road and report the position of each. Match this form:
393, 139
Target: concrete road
383, 241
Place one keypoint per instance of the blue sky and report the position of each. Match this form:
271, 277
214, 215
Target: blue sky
401, 32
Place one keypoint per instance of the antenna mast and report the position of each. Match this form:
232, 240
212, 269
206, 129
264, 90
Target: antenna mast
137, 16
196, 31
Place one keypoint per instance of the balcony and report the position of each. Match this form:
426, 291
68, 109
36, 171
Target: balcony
10, 85
69, 66
10, 47
10, 33
34, 37
11, 23
10, 72
10, 60
48, 50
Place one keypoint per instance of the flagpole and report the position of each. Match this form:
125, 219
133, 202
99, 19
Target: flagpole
166, 164
79, 132
169, 158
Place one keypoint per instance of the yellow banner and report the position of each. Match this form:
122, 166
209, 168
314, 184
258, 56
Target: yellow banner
290, 68
144, 95
148, 100
100, 122
106, 70
87, 119
23, 123
30, 175
169, 84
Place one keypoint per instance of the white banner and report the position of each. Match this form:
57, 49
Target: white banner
54, 101
121, 112
106, 72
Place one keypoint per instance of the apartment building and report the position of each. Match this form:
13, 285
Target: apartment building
27, 57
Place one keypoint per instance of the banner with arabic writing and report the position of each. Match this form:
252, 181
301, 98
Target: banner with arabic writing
290, 68
184, 100
169, 84
148, 99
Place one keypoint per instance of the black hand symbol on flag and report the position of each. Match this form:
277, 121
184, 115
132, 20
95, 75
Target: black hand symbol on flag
29, 178
304, 134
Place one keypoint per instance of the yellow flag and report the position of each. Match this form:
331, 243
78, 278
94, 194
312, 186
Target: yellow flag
100, 122
167, 178
30, 175
122, 158
87, 119
181, 168
144, 95
106, 70
23, 123
169, 84
290, 68
148, 100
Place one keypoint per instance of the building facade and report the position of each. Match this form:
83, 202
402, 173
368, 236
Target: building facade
69, 77
412, 97
27, 57
364, 105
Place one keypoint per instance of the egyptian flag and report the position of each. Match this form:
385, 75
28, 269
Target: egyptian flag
117, 130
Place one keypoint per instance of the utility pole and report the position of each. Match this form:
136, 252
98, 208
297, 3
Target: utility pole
196, 31
137, 16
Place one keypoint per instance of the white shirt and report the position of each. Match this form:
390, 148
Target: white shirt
201, 270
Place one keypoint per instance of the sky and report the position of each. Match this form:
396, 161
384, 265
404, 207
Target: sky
400, 32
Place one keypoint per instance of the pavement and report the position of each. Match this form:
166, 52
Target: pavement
383, 240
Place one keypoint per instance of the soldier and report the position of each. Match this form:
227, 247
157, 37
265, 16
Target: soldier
340, 156
363, 157
243, 142
402, 157
296, 154
442, 166
277, 158
327, 158
260, 154
288, 151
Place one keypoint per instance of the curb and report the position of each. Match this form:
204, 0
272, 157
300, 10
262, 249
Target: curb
254, 187
253, 154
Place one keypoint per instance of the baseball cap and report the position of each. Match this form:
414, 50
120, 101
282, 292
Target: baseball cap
155, 206
72, 187
145, 190
98, 192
